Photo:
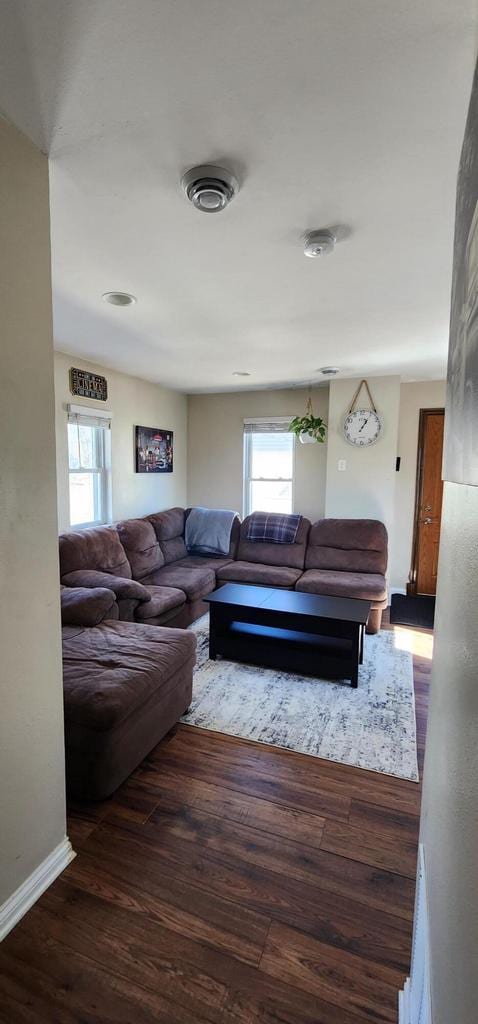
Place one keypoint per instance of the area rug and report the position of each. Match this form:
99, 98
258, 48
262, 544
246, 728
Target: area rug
371, 727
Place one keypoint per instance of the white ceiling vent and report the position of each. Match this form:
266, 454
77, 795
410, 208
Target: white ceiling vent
210, 188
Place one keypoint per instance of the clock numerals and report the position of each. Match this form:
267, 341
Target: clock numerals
362, 427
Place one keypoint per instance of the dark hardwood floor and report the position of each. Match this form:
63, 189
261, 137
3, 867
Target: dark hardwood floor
228, 882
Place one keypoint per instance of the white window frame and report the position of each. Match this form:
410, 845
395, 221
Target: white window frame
247, 459
102, 471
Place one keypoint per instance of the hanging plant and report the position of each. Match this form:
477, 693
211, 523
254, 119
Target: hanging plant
309, 429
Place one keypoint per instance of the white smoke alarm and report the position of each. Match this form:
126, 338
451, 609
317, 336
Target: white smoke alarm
319, 243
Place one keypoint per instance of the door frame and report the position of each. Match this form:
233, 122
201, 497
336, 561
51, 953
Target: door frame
424, 413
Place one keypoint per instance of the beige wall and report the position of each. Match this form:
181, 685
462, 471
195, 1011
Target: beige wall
366, 489
449, 826
215, 447
449, 809
132, 402
413, 397
32, 811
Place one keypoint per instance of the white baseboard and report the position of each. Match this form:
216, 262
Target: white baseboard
414, 1001
404, 1004
31, 889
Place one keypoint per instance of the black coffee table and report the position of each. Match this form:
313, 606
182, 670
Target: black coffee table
288, 630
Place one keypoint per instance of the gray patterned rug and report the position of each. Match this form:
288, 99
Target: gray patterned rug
372, 727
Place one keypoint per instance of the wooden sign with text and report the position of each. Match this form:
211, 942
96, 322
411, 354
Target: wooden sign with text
88, 385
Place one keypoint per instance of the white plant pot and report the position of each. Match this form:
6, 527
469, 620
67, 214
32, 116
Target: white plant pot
307, 439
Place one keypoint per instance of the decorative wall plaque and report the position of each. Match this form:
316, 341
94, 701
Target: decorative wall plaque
88, 385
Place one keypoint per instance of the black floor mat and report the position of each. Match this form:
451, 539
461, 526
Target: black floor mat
412, 610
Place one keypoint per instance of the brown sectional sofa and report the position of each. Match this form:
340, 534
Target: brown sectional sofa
146, 563
125, 686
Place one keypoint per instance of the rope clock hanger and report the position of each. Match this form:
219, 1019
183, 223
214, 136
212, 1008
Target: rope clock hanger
362, 426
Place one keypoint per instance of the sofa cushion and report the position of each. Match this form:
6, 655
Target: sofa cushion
169, 529
111, 670
349, 545
163, 599
96, 548
82, 606
203, 562
264, 575
125, 589
195, 583
141, 545
369, 586
290, 555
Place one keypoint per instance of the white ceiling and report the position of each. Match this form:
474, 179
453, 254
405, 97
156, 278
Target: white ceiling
333, 113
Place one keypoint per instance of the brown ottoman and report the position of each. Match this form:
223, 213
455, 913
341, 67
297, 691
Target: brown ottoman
125, 686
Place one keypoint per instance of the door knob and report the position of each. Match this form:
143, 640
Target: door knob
427, 508
427, 521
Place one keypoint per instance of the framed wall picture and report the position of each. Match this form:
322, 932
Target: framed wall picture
153, 450
460, 464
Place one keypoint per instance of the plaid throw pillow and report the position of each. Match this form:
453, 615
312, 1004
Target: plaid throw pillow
272, 528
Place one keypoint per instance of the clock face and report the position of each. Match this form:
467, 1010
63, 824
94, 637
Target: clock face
362, 427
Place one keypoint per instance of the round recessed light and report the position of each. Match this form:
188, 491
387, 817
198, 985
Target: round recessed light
209, 188
240, 373
119, 298
328, 371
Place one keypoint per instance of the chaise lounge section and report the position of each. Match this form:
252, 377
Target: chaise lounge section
125, 686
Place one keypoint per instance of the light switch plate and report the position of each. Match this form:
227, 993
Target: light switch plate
342, 465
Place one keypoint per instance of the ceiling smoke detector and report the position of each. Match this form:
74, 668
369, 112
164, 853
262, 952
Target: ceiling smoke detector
319, 243
328, 371
210, 188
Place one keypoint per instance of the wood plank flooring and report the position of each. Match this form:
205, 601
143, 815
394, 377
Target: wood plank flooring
228, 883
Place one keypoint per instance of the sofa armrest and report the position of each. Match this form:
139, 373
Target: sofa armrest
122, 587
87, 606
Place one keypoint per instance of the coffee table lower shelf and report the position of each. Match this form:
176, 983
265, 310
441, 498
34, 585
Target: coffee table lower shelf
286, 629
288, 649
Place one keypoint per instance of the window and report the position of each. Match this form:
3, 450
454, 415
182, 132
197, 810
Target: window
268, 466
88, 464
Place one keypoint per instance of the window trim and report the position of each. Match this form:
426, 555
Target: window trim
246, 446
88, 416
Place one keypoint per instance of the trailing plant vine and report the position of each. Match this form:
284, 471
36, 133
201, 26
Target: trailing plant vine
309, 426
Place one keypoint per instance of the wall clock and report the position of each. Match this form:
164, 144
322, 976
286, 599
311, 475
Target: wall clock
362, 426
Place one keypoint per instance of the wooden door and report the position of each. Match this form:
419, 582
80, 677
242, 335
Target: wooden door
428, 502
